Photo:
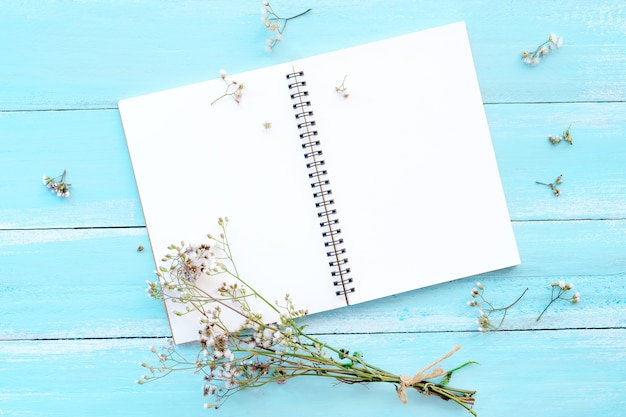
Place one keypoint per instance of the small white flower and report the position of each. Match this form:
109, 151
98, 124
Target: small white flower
559, 42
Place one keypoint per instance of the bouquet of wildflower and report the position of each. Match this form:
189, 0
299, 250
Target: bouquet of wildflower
256, 353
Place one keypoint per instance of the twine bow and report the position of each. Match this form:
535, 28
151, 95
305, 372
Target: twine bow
421, 375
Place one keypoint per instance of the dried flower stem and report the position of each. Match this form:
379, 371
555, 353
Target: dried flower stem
553, 185
61, 188
233, 89
533, 58
342, 88
562, 289
487, 309
257, 353
273, 22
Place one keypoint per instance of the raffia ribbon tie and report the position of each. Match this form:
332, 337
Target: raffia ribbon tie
423, 374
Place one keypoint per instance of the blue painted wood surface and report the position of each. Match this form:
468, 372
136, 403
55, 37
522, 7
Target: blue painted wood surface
74, 318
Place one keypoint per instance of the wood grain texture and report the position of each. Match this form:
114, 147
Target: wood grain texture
548, 373
75, 54
594, 178
90, 145
99, 290
74, 317
69, 283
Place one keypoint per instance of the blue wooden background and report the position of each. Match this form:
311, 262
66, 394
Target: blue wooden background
74, 318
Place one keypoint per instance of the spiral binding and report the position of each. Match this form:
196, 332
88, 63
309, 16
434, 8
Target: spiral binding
327, 214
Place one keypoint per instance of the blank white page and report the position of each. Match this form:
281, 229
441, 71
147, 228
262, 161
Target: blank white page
411, 161
194, 163
408, 154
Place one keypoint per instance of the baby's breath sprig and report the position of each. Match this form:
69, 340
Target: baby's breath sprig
233, 89
341, 89
273, 22
256, 353
560, 288
533, 58
553, 185
567, 137
61, 188
486, 308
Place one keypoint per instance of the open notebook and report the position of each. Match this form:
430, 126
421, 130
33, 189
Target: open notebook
342, 200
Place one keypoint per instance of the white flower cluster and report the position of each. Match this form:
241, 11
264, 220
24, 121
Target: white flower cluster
533, 58
563, 286
273, 23
199, 260
61, 188
236, 94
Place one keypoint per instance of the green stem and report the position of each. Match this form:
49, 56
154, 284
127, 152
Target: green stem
543, 183
443, 393
218, 99
235, 273
510, 305
553, 299
298, 15
539, 48
288, 18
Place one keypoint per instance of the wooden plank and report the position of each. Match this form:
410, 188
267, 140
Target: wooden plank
90, 145
77, 283
594, 178
90, 283
555, 373
91, 54
73, 284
